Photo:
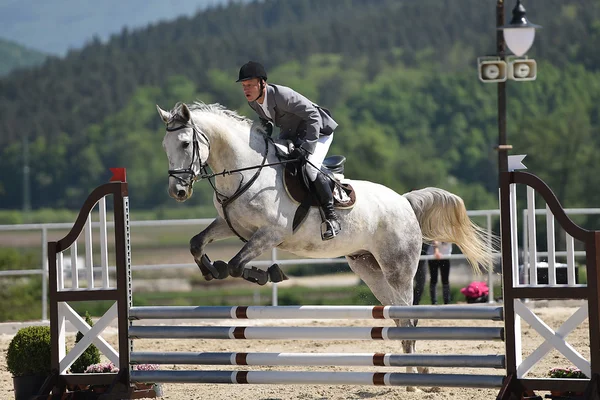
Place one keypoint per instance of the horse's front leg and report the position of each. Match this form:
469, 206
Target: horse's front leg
263, 239
217, 230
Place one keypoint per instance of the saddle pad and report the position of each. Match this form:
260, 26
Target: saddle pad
344, 195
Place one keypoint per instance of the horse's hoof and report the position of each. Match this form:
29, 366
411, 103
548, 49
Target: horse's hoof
236, 272
217, 270
222, 269
276, 274
255, 275
206, 272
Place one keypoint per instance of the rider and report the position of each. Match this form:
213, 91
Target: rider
307, 125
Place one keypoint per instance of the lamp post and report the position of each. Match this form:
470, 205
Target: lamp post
518, 35
503, 147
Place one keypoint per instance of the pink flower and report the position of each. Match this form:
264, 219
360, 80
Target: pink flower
145, 367
475, 290
106, 367
568, 372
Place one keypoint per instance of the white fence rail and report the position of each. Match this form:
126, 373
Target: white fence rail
199, 223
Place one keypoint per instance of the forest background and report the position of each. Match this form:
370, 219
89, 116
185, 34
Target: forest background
400, 77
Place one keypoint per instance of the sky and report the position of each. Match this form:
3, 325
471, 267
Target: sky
55, 26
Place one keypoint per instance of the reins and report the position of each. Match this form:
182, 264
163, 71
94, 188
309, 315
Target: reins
229, 172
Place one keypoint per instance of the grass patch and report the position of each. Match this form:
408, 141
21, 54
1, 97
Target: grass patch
21, 298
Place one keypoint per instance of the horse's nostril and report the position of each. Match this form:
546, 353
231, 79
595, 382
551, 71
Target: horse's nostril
181, 193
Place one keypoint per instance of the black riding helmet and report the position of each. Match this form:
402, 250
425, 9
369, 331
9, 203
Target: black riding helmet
251, 70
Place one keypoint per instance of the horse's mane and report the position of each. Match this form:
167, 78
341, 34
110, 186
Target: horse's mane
214, 108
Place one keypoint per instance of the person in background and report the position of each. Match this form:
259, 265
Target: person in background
439, 250
420, 275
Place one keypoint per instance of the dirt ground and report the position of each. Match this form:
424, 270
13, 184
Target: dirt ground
554, 317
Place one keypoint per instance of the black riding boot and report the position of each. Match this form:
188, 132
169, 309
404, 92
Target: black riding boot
325, 197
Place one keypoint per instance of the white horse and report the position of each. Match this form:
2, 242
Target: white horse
381, 235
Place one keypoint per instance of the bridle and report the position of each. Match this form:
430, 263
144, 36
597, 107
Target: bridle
189, 171
224, 200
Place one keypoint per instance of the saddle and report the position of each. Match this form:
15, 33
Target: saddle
297, 187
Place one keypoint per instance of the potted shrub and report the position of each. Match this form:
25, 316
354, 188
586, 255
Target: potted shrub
28, 360
101, 368
148, 385
566, 373
569, 372
90, 356
152, 389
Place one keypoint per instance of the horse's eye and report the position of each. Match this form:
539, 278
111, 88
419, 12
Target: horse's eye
185, 145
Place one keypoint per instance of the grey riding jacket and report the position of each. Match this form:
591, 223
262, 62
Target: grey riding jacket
299, 119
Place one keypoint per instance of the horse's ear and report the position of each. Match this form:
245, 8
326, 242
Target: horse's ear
185, 112
165, 115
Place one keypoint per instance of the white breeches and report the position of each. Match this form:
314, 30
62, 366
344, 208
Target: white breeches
318, 156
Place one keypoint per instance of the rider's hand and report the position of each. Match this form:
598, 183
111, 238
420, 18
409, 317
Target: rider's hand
299, 153
267, 125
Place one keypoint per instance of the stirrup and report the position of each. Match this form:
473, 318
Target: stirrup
329, 230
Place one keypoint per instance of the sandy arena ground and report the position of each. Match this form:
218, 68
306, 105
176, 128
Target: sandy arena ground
554, 317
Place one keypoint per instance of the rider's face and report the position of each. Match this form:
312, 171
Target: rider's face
251, 88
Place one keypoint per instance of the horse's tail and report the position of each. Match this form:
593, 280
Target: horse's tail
443, 217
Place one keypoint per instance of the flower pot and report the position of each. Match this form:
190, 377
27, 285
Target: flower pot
99, 388
152, 389
480, 299
158, 390
27, 386
144, 386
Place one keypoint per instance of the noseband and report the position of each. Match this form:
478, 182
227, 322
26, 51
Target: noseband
189, 171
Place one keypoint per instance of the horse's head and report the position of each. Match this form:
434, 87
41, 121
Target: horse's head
187, 149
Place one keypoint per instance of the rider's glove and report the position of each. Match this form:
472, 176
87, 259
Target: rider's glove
299, 153
267, 125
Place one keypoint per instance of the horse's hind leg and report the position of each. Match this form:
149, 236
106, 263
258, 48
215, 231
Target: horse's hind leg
398, 261
369, 270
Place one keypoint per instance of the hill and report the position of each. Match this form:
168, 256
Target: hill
13, 56
57, 26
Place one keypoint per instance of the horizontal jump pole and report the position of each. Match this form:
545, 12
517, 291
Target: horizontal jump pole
315, 333
321, 359
318, 378
318, 312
